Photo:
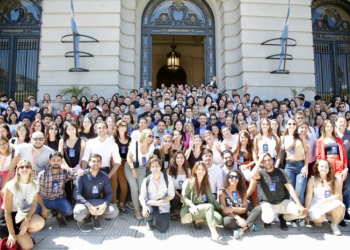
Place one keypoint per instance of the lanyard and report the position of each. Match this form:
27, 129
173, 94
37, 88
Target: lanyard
3, 163
34, 156
157, 184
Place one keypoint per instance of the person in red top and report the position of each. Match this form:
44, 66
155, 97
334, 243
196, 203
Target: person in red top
331, 147
67, 110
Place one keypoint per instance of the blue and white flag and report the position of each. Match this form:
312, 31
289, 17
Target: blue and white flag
285, 34
77, 38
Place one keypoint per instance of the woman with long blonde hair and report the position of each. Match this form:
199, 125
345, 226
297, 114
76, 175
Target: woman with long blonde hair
17, 218
165, 151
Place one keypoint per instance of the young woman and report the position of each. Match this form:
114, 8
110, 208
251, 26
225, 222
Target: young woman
13, 123
188, 133
198, 200
52, 136
190, 101
177, 141
275, 128
21, 135
308, 116
9, 110
331, 147
142, 124
324, 196
281, 123
135, 170
5, 131
83, 102
324, 115
123, 140
59, 122
208, 101
233, 198
334, 107
72, 147
318, 125
22, 189
100, 103
194, 152
179, 170
164, 152
111, 127
266, 142
230, 141
244, 155
105, 111
7, 165
132, 112
296, 160
87, 129
37, 126
216, 131
240, 116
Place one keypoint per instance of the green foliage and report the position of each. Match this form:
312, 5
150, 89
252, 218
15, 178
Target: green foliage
76, 90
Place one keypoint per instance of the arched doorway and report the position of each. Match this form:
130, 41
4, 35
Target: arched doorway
331, 32
179, 17
20, 22
168, 77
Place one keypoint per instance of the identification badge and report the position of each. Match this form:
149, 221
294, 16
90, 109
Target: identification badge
55, 186
144, 161
94, 189
166, 164
273, 187
241, 159
180, 184
72, 153
234, 195
335, 150
327, 194
123, 150
266, 148
292, 151
204, 198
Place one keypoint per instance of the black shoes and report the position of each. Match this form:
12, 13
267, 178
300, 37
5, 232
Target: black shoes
97, 225
150, 226
61, 222
267, 225
342, 223
283, 223
198, 226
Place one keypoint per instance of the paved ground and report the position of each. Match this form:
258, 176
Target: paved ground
125, 231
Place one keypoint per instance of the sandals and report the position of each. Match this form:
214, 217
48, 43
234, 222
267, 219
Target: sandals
138, 216
123, 209
219, 239
173, 217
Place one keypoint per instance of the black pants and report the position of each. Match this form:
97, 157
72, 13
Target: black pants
162, 219
231, 223
175, 203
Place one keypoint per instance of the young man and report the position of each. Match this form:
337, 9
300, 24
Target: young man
155, 196
88, 192
189, 118
57, 106
202, 125
160, 131
52, 182
276, 190
27, 112
67, 110
76, 109
214, 172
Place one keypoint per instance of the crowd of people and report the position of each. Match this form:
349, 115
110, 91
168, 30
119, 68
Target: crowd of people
188, 153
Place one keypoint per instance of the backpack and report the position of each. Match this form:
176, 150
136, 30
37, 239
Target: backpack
148, 179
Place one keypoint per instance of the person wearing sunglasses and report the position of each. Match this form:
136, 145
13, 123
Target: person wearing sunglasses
17, 218
233, 198
52, 183
164, 152
296, 161
139, 153
276, 190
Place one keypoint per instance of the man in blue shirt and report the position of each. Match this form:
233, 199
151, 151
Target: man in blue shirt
26, 111
202, 125
87, 193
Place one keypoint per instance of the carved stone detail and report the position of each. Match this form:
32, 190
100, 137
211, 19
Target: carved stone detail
15, 14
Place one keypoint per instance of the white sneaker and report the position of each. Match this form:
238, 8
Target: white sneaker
335, 230
301, 223
294, 224
276, 218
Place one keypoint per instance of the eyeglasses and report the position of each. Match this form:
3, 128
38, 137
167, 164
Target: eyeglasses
26, 167
241, 124
234, 177
73, 120
213, 119
292, 124
38, 139
151, 136
52, 128
123, 125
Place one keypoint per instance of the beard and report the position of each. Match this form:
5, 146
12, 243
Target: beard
56, 166
37, 147
229, 164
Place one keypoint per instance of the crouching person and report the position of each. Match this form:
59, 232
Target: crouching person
157, 191
17, 218
52, 182
88, 191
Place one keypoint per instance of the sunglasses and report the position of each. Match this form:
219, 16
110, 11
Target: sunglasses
213, 119
38, 139
292, 124
168, 141
73, 120
151, 136
234, 177
26, 167
54, 128
123, 125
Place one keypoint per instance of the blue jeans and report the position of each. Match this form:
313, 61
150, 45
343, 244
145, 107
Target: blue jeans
162, 219
298, 181
346, 192
61, 204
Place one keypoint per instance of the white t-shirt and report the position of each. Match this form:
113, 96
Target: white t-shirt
135, 135
26, 191
76, 109
7, 162
148, 155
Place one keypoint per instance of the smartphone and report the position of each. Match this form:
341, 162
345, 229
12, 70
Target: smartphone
157, 137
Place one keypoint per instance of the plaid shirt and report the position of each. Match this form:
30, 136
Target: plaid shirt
46, 179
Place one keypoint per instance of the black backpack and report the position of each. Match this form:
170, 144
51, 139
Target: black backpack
148, 179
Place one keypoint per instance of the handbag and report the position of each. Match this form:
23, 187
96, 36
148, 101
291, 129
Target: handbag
187, 218
3, 246
136, 163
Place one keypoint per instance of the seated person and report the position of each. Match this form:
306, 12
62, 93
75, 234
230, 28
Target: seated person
87, 193
324, 196
52, 183
276, 190
156, 192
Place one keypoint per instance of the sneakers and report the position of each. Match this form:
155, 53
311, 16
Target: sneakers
97, 225
301, 223
129, 205
150, 226
267, 225
294, 224
238, 233
61, 222
283, 223
347, 216
335, 230
254, 228
318, 224
83, 227
342, 223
